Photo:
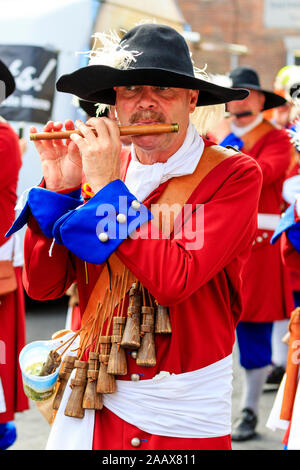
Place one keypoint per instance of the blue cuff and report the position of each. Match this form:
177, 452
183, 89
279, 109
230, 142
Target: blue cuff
287, 221
8, 434
233, 141
46, 207
96, 229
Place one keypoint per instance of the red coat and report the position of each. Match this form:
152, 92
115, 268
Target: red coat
294, 273
201, 287
267, 286
290, 256
12, 309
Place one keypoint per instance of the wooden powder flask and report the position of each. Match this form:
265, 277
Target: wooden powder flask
106, 383
162, 320
117, 364
91, 399
146, 355
63, 377
93, 360
131, 338
52, 362
74, 406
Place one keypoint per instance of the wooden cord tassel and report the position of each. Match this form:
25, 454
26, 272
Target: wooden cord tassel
106, 383
146, 355
91, 399
74, 405
131, 338
63, 377
162, 320
117, 364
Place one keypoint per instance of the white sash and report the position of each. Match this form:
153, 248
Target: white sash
2, 399
7, 250
274, 421
12, 250
195, 404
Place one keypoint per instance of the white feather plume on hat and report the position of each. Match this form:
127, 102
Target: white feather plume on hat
109, 50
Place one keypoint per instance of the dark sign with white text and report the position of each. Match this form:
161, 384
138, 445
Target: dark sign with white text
34, 70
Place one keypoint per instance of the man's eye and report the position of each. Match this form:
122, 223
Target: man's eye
131, 87
164, 87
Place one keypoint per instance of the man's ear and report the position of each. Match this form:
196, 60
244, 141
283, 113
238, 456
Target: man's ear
193, 99
262, 100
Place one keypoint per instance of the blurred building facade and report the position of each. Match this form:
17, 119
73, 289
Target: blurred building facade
120, 15
264, 34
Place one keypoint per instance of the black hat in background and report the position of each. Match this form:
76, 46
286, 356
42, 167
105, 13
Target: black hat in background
246, 77
161, 58
8, 80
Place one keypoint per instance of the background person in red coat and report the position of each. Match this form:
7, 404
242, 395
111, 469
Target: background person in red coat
287, 84
199, 281
12, 307
266, 286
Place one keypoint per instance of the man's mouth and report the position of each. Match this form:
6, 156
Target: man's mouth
242, 114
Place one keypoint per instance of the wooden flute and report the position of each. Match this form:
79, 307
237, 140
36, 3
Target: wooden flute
140, 129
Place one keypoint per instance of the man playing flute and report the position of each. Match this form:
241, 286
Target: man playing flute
191, 265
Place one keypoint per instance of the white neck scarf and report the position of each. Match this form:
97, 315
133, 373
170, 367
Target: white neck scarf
141, 179
240, 131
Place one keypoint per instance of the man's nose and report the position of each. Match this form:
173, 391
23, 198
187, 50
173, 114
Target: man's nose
147, 98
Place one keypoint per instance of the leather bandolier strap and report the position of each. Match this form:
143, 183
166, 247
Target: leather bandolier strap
253, 136
176, 194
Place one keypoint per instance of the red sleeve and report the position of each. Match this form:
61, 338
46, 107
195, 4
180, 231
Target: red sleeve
45, 277
290, 256
274, 155
10, 162
170, 270
10, 155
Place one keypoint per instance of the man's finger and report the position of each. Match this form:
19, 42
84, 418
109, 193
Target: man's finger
37, 143
69, 126
79, 141
86, 131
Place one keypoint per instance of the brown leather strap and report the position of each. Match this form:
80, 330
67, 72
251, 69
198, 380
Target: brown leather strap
176, 194
255, 134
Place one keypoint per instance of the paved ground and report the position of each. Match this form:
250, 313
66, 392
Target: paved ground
43, 320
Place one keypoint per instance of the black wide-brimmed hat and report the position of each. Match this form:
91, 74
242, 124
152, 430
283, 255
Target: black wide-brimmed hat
160, 58
246, 77
8, 80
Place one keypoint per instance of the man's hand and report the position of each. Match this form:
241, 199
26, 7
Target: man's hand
100, 153
61, 160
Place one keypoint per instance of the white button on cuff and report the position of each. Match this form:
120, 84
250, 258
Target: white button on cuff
103, 237
135, 377
121, 218
135, 442
135, 205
